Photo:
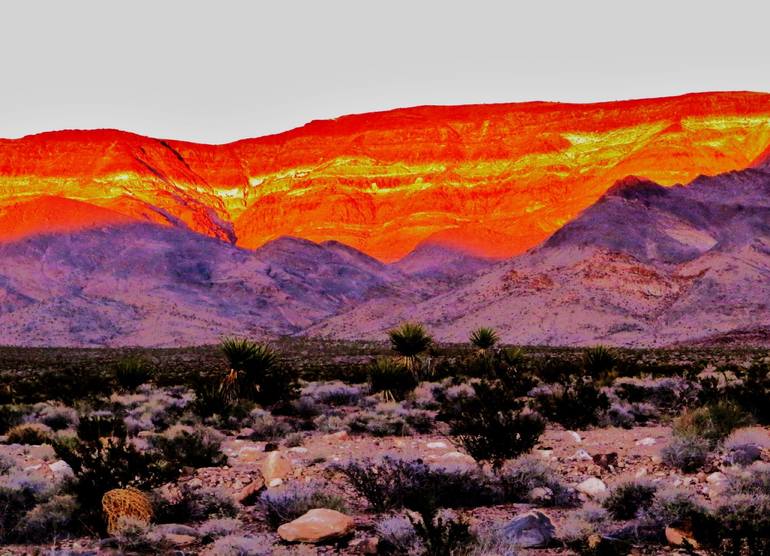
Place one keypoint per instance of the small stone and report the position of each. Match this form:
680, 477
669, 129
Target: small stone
592, 487
539, 495
647, 441
249, 454
298, 450
641, 473
575, 436
582, 455
179, 540
530, 530
275, 482
317, 525
436, 445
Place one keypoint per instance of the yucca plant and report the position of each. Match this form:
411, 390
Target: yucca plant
410, 340
391, 378
255, 373
484, 338
599, 363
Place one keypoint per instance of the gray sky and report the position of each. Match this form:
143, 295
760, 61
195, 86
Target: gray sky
223, 70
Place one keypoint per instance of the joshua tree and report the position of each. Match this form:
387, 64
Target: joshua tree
599, 363
410, 340
484, 338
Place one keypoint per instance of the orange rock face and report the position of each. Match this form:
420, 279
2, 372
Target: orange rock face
493, 179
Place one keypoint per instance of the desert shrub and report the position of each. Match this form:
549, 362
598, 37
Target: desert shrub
392, 378
419, 420
493, 425
752, 391
239, 545
744, 525
679, 508
218, 527
199, 447
51, 520
619, 415
55, 415
30, 433
577, 403
713, 422
329, 423
267, 427
97, 425
393, 483
196, 504
334, 393
131, 372
305, 407
687, 453
377, 423
397, 536
15, 503
555, 369
102, 463
293, 500
519, 477
748, 436
627, 499
439, 534
667, 394
10, 416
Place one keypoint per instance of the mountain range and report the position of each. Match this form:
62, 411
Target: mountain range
556, 224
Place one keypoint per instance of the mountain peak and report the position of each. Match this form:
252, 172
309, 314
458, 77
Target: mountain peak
635, 187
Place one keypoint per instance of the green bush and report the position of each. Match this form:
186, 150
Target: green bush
713, 422
576, 404
492, 425
30, 433
284, 504
687, 453
256, 373
197, 448
132, 372
410, 340
628, 499
519, 477
484, 338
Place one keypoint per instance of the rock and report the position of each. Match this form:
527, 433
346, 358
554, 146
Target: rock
275, 482
575, 436
298, 450
456, 457
245, 433
179, 540
276, 466
317, 525
582, 455
530, 530
249, 490
337, 436
540, 495
678, 537
647, 441
249, 454
61, 470
368, 545
592, 487
436, 445
641, 473
165, 529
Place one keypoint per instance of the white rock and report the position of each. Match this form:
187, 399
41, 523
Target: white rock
437, 445
648, 441
298, 450
582, 455
575, 436
275, 483
592, 487
61, 470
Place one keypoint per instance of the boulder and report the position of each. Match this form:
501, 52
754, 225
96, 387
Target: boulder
275, 468
678, 537
61, 470
592, 487
575, 436
317, 525
530, 530
647, 441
